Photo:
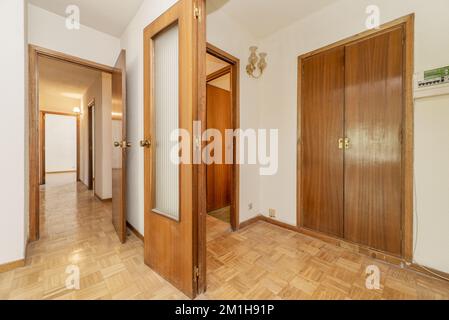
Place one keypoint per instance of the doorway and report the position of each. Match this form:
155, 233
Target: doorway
222, 113
59, 144
57, 63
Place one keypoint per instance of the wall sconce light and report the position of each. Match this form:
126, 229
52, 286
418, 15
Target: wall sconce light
256, 62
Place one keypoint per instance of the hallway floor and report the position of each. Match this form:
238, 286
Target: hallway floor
260, 262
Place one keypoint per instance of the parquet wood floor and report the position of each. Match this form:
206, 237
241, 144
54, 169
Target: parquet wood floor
260, 262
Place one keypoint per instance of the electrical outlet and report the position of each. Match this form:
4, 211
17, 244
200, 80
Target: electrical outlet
272, 213
250, 206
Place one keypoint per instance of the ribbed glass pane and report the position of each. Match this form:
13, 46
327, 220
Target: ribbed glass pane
166, 100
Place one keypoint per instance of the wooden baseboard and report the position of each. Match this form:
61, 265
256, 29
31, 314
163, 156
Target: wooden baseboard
134, 230
249, 222
429, 271
335, 241
378, 255
102, 200
279, 223
12, 265
60, 172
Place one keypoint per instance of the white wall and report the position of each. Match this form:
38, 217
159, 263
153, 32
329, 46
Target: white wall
12, 129
228, 35
48, 30
101, 91
223, 33
278, 110
60, 143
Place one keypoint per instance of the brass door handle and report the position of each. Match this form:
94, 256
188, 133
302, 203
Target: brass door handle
145, 143
344, 143
347, 143
123, 144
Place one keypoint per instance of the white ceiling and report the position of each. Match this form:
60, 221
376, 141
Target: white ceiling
264, 17
61, 84
260, 17
108, 16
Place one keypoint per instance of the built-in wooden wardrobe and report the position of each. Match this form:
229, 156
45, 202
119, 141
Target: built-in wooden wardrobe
351, 167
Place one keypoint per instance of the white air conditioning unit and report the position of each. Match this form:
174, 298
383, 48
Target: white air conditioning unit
432, 83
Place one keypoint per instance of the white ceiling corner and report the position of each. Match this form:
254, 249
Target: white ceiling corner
264, 17
108, 16
260, 17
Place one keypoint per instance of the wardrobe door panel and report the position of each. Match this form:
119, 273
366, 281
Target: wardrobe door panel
373, 124
322, 117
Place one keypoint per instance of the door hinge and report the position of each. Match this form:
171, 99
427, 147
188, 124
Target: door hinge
196, 274
197, 12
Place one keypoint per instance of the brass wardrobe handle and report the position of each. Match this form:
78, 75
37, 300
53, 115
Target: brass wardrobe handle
340, 143
347, 143
123, 144
344, 143
145, 143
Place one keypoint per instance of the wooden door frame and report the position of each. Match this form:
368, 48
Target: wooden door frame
42, 115
234, 70
235, 181
42, 166
407, 22
91, 144
34, 53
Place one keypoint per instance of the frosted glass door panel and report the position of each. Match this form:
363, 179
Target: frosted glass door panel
166, 112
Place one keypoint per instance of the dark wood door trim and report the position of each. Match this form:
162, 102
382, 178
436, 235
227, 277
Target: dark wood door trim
234, 69
42, 148
235, 177
90, 144
78, 148
34, 52
407, 22
119, 215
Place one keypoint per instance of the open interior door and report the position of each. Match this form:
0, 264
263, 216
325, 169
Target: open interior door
120, 147
175, 84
